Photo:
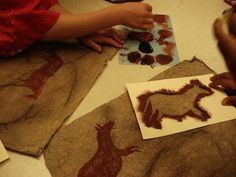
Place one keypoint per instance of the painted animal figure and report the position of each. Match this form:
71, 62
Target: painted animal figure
107, 161
40, 76
175, 105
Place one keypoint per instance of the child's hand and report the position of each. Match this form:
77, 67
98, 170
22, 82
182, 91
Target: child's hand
231, 2
224, 81
136, 15
227, 45
106, 36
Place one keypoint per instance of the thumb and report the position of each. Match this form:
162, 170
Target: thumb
229, 101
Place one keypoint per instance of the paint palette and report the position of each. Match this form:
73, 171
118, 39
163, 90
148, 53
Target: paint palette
155, 47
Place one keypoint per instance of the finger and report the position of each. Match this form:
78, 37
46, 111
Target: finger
231, 2
145, 26
149, 15
148, 21
93, 45
110, 32
148, 7
108, 41
229, 100
105, 31
225, 75
115, 35
218, 29
225, 83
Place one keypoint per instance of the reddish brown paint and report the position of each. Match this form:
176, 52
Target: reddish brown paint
107, 161
147, 60
161, 20
40, 76
164, 34
150, 116
141, 36
163, 59
134, 57
168, 49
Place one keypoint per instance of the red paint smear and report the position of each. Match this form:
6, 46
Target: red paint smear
141, 36
169, 48
40, 76
134, 57
164, 34
161, 20
107, 161
150, 116
164, 59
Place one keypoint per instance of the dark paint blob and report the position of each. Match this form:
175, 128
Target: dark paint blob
152, 115
147, 60
141, 36
40, 76
134, 57
164, 34
164, 59
107, 161
145, 47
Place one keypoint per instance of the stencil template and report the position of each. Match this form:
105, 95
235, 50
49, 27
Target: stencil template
193, 105
155, 47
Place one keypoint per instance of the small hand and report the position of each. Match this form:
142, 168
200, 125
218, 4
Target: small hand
106, 36
136, 15
224, 81
227, 46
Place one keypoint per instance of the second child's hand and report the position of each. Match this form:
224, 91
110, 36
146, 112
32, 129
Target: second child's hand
231, 2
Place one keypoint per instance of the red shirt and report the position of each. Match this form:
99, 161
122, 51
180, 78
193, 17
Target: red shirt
22, 22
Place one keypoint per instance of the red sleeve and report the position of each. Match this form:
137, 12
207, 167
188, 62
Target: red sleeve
19, 28
49, 3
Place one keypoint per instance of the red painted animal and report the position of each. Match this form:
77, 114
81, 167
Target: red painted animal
40, 76
155, 106
107, 161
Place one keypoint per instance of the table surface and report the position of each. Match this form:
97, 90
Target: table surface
192, 24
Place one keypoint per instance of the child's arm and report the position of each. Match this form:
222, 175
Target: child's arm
68, 26
58, 8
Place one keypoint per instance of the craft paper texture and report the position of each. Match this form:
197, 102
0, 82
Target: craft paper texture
212, 104
201, 152
3, 153
30, 117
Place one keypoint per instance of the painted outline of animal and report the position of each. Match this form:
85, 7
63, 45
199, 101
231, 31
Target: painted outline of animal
40, 76
153, 110
107, 161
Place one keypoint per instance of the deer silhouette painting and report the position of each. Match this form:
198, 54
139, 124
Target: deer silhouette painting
40, 76
107, 161
154, 106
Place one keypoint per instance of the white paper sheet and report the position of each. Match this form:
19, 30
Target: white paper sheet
219, 113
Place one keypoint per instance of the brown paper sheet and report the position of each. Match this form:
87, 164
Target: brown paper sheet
34, 106
205, 152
